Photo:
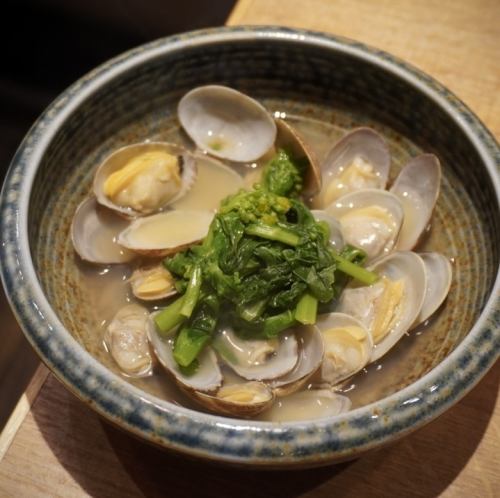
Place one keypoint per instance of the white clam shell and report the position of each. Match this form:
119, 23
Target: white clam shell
226, 123
336, 237
439, 275
94, 233
257, 359
358, 301
166, 233
206, 378
373, 233
307, 405
140, 277
311, 350
417, 186
364, 144
353, 358
120, 157
126, 340
257, 398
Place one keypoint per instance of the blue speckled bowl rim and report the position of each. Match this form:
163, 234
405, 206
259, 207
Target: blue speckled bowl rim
208, 436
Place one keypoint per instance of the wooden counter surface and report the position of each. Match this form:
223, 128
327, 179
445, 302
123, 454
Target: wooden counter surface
55, 446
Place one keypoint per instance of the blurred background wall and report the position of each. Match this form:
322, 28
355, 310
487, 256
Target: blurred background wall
46, 45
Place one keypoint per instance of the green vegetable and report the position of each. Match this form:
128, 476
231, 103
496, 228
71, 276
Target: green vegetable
168, 319
265, 266
282, 176
273, 233
192, 292
359, 273
306, 309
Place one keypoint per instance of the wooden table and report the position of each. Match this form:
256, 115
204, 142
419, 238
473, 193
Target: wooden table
55, 446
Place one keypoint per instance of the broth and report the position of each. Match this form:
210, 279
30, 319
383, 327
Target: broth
108, 288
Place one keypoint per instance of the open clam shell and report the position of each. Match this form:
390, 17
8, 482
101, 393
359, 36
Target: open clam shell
417, 186
311, 350
307, 405
153, 192
206, 378
152, 283
127, 342
289, 139
244, 399
257, 359
389, 307
439, 275
359, 160
226, 123
336, 237
348, 347
370, 219
166, 233
238, 400
94, 233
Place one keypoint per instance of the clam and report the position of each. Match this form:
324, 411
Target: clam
144, 178
257, 359
152, 283
439, 273
348, 347
370, 219
289, 139
226, 123
360, 160
127, 342
389, 307
205, 383
310, 356
206, 378
417, 186
166, 233
239, 400
336, 237
307, 405
94, 233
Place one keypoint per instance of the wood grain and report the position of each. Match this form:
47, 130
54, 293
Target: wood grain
62, 449
456, 42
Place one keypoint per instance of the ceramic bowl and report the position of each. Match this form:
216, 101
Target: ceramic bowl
133, 98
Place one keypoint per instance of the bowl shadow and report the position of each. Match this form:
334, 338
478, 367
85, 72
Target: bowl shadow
105, 461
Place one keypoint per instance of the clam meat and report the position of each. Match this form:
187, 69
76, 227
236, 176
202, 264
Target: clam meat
127, 342
360, 160
144, 178
257, 359
370, 219
389, 307
152, 283
348, 346
244, 400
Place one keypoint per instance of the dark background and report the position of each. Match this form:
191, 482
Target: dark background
46, 46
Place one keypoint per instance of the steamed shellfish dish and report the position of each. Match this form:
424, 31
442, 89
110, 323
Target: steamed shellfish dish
259, 280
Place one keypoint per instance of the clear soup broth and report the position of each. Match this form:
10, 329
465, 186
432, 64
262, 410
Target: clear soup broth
93, 294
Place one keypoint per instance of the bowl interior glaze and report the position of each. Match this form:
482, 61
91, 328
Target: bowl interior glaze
287, 74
